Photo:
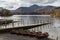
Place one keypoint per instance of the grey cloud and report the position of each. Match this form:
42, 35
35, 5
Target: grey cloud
51, 1
32, 1
38, 1
16, 4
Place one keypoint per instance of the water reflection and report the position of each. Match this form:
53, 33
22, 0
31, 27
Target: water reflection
53, 28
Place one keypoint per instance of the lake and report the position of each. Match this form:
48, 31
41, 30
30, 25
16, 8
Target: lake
53, 28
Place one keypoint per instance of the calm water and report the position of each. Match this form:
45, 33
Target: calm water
53, 28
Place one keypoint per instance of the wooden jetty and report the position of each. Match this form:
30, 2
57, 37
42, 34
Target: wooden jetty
24, 27
5, 21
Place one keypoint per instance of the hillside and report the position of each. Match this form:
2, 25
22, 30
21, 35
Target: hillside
45, 9
27, 9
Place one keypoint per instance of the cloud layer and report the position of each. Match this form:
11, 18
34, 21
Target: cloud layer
14, 4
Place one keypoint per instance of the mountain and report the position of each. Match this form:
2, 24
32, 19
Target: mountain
27, 9
34, 8
45, 9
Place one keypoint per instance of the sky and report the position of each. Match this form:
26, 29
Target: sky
14, 4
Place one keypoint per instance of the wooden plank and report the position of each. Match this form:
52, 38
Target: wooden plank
26, 26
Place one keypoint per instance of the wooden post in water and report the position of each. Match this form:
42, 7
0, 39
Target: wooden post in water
5, 23
57, 38
18, 23
12, 24
34, 29
21, 22
37, 28
43, 27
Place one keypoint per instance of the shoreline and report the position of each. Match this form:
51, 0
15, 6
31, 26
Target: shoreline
31, 15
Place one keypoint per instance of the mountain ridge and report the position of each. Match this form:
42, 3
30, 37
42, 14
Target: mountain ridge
33, 8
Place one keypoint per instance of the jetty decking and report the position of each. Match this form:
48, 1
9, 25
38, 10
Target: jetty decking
19, 26
5, 21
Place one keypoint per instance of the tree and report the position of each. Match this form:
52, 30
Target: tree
5, 12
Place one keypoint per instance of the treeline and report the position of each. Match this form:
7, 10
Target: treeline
44, 11
54, 12
5, 12
28, 13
